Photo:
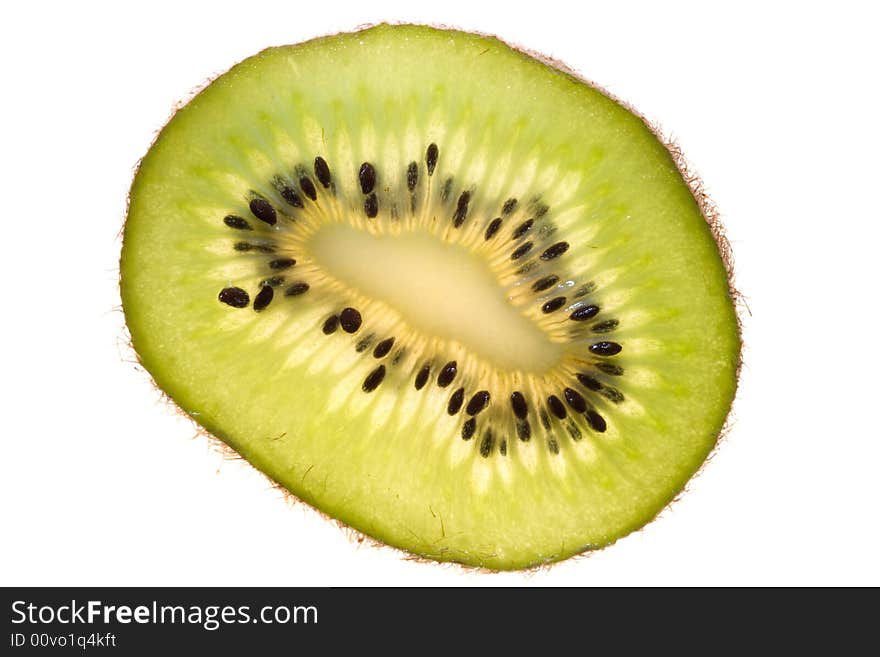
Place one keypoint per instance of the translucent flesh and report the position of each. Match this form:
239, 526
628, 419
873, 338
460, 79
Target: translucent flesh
391, 463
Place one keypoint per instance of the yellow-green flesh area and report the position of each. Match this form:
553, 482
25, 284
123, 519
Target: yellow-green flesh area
445, 293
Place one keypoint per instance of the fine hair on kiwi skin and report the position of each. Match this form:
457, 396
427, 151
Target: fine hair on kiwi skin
709, 213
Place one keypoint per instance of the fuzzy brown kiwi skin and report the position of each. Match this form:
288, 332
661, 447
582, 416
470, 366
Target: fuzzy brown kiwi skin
708, 210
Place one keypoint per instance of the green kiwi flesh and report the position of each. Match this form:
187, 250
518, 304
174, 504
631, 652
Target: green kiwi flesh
444, 292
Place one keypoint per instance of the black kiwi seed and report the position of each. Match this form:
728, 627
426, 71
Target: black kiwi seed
552, 446
468, 429
509, 206
263, 210
290, 196
487, 443
330, 325
383, 348
412, 176
546, 231
541, 210
522, 229
364, 343
234, 296
367, 177
520, 407
584, 313
447, 374
555, 251
612, 394
374, 378
605, 327
247, 246
585, 289
431, 158
446, 191
322, 171
556, 407
596, 421
523, 430
308, 188
521, 251
545, 283
281, 263
589, 382
502, 447
350, 319
605, 348
273, 281
461, 209
493, 227
545, 419
371, 206
296, 289
234, 221
608, 368
553, 305
478, 402
575, 400
455, 402
263, 298
422, 376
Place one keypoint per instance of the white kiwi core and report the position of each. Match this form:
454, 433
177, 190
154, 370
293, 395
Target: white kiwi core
442, 290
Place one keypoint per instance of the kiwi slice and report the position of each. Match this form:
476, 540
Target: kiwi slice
441, 290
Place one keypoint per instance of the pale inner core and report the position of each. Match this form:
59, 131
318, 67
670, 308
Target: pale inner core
441, 289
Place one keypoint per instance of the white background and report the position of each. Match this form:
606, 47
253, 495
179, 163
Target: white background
776, 107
